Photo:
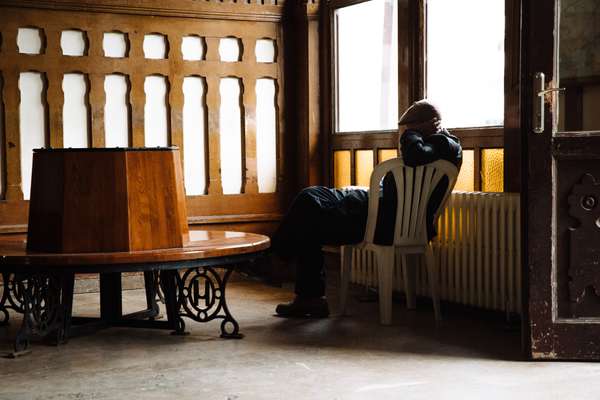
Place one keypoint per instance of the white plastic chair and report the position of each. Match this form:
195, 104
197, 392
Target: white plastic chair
414, 186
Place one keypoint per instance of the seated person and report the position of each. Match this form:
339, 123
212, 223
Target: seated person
322, 216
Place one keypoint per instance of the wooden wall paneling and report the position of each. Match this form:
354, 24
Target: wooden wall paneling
175, 94
12, 100
54, 92
253, 21
213, 99
137, 95
209, 9
250, 175
96, 92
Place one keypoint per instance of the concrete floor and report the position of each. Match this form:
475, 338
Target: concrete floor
337, 358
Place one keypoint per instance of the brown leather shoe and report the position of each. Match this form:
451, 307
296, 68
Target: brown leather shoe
304, 307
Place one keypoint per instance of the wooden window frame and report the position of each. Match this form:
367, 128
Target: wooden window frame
412, 70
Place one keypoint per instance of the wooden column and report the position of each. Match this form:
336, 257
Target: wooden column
513, 132
305, 57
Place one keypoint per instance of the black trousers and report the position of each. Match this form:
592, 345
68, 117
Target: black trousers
319, 216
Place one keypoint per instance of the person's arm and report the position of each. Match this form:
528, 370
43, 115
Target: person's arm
415, 151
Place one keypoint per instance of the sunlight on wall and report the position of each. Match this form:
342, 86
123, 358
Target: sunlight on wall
230, 117
466, 176
155, 112
492, 170
341, 168
75, 111
194, 133
465, 71
32, 123
116, 111
266, 135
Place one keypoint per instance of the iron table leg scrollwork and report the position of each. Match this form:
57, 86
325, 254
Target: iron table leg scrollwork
199, 294
11, 298
46, 301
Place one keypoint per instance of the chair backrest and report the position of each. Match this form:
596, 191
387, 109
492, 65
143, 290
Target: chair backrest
414, 186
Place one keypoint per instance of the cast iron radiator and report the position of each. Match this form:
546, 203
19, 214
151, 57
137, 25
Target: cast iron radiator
478, 250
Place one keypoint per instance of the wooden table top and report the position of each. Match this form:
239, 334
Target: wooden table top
202, 245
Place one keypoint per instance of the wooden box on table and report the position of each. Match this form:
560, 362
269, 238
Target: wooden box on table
106, 200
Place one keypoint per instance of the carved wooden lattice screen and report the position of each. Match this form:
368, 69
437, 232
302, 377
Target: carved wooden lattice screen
210, 21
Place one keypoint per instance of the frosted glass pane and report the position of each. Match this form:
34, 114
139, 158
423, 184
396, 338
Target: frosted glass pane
194, 133
32, 123
155, 112
230, 117
155, 46
75, 111
29, 40
73, 43
114, 44
367, 51
579, 65
230, 49
192, 48
265, 51
387, 154
466, 177
341, 168
364, 167
465, 61
266, 135
492, 170
116, 111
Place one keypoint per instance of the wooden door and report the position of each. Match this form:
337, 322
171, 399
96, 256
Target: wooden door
561, 191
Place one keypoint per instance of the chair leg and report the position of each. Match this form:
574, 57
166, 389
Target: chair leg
385, 272
346, 270
409, 280
432, 275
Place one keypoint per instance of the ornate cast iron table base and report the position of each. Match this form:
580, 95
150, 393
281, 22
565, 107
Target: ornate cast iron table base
45, 299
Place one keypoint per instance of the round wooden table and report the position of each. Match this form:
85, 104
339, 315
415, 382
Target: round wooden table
40, 285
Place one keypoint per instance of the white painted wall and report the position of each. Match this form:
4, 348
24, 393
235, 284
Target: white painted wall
75, 111
114, 44
116, 111
265, 51
155, 46
266, 135
29, 40
72, 43
155, 112
230, 135
192, 48
32, 123
229, 49
194, 133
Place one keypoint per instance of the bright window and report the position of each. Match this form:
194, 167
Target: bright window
366, 54
465, 61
